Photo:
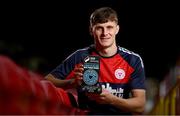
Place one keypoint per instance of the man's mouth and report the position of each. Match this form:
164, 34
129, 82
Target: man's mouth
105, 38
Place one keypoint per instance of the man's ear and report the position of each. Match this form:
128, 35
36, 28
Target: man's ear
118, 28
90, 30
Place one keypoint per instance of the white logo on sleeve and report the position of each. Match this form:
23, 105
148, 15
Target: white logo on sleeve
119, 73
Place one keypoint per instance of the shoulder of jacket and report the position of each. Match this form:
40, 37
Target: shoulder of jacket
129, 52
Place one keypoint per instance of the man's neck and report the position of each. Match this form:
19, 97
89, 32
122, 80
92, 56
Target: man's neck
108, 52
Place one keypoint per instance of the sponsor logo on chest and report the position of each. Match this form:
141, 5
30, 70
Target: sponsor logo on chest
117, 91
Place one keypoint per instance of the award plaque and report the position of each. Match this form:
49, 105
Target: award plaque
91, 75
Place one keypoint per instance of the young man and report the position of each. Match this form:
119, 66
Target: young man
121, 72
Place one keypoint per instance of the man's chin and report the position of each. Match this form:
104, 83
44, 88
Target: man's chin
105, 46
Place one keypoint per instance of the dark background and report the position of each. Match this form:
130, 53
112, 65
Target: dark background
40, 35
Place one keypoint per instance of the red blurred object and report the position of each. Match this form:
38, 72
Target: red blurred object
26, 92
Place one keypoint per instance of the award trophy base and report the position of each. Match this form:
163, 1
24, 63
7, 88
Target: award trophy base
92, 88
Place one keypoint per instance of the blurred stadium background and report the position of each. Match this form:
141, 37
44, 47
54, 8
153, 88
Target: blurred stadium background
40, 35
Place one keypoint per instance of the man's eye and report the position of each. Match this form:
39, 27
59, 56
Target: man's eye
110, 27
98, 28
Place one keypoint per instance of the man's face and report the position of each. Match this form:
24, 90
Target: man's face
104, 34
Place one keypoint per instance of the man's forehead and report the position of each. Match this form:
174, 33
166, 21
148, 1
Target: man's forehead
109, 23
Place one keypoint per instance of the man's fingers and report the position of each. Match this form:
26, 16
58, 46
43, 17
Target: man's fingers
79, 70
79, 65
78, 74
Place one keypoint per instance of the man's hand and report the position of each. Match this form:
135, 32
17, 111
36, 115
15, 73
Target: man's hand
135, 104
74, 82
78, 74
104, 98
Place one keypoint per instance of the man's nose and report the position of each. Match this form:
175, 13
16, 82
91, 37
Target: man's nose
105, 31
